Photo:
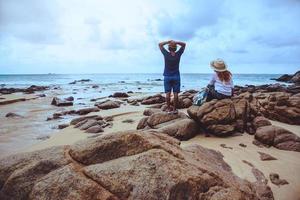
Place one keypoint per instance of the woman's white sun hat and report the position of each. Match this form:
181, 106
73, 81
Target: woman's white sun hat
218, 65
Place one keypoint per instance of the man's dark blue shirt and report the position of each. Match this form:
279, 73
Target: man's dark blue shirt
172, 62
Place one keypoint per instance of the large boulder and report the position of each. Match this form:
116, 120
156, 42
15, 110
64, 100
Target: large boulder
178, 126
123, 165
227, 116
278, 137
19, 173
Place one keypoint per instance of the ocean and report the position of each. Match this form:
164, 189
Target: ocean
133, 82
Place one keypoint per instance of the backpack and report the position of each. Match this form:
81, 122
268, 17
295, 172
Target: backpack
200, 97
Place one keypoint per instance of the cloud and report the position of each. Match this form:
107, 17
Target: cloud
33, 21
122, 36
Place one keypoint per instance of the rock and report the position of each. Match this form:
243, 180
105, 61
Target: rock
276, 180
13, 115
134, 103
41, 95
227, 116
80, 81
58, 102
109, 118
130, 121
225, 147
153, 99
178, 126
79, 119
158, 120
142, 123
85, 111
43, 137
261, 187
278, 137
261, 121
265, 156
120, 95
68, 183
28, 90
62, 126
123, 165
89, 123
109, 104
19, 173
182, 130
295, 78
242, 145
70, 98
151, 111
95, 129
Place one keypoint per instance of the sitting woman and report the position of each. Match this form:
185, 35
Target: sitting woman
221, 84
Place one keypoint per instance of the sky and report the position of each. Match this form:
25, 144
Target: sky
117, 36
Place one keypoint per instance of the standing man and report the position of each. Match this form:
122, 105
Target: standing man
171, 71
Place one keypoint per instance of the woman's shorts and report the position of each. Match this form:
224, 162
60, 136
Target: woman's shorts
172, 83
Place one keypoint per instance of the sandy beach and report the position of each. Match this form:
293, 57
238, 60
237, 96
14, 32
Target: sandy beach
35, 109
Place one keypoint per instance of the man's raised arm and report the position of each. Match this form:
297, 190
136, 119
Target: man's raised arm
162, 44
182, 44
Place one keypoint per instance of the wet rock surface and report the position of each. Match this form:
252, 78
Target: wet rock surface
123, 165
278, 137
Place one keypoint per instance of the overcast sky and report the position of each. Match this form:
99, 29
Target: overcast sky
102, 36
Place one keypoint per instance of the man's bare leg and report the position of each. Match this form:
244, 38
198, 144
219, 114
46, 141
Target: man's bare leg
168, 101
175, 101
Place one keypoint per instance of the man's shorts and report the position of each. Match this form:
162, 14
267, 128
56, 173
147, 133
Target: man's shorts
172, 83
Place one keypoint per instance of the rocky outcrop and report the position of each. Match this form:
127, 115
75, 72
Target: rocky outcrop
278, 137
59, 102
227, 116
178, 126
280, 106
28, 90
108, 104
124, 165
295, 78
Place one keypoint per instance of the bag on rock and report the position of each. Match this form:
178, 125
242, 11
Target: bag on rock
200, 97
